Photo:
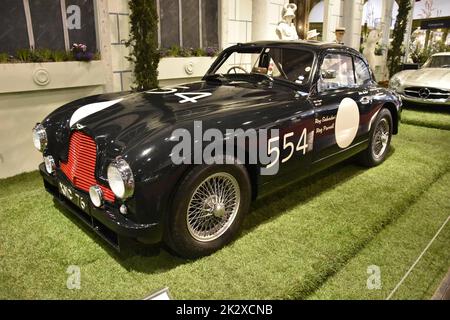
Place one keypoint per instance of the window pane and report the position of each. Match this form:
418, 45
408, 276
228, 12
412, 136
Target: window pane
290, 64
13, 27
242, 61
191, 32
47, 24
337, 71
170, 24
210, 23
362, 72
81, 23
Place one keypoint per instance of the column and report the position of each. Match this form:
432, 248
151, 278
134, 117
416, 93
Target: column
223, 16
260, 20
407, 39
386, 21
104, 41
332, 18
352, 18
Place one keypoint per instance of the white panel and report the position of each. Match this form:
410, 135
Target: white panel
244, 10
232, 9
237, 31
118, 6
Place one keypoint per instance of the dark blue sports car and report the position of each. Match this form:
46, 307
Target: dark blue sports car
182, 164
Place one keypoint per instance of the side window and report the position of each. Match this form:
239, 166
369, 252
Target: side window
336, 72
362, 72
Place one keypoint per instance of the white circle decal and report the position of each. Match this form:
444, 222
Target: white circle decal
347, 123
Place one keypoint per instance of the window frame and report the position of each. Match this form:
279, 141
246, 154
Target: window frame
30, 31
225, 55
355, 58
319, 69
180, 19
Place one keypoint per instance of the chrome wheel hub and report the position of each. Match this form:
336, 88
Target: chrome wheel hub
213, 207
381, 139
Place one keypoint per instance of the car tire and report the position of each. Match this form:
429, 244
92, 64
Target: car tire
190, 230
380, 140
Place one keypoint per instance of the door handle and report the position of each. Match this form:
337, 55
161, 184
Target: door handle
365, 100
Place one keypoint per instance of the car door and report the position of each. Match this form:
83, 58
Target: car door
293, 118
367, 89
337, 108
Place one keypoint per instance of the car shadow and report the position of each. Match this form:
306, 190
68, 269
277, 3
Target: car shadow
159, 259
426, 108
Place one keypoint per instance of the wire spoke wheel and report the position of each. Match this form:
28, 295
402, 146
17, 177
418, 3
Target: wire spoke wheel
381, 138
213, 207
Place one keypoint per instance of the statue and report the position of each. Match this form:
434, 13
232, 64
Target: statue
369, 49
286, 28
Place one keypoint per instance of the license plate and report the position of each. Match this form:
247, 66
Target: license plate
74, 196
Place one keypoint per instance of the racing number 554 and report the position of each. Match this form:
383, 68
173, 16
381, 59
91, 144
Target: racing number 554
273, 147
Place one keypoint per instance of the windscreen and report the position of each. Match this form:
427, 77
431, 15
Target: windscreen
279, 63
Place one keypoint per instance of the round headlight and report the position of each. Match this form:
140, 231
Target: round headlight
96, 195
394, 84
120, 178
40, 137
50, 164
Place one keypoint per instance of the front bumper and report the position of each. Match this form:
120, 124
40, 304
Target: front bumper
439, 102
107, 221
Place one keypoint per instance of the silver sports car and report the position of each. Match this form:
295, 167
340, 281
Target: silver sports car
428, 85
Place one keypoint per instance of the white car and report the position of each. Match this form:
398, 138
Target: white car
428, 85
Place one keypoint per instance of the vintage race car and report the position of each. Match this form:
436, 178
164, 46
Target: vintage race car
429, 85
140, 165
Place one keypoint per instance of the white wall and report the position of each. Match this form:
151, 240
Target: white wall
241, 23
119, 21
24, 102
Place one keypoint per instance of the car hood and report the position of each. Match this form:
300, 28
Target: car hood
429, 77
122, 121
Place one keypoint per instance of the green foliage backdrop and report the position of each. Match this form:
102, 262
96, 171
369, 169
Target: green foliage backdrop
144, 53
397, 51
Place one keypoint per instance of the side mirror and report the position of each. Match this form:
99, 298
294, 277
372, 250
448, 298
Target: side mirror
329, 74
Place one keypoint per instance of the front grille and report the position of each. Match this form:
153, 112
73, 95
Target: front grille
80, 167
427, 93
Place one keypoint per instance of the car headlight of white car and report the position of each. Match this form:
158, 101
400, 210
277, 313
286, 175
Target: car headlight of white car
40, 137
395, 83
120, 178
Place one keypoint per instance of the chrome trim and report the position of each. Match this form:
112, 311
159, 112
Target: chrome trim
50, 164
425, 101
40, 133
127, 177
381, 139
96, 191
213, 207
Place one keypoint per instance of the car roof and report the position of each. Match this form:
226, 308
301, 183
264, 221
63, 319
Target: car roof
441, 54
297, 44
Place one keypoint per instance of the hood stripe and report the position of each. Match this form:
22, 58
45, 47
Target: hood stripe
90, 109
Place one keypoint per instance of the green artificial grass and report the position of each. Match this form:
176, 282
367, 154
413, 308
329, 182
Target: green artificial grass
396, 248
314, 239
431, 116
